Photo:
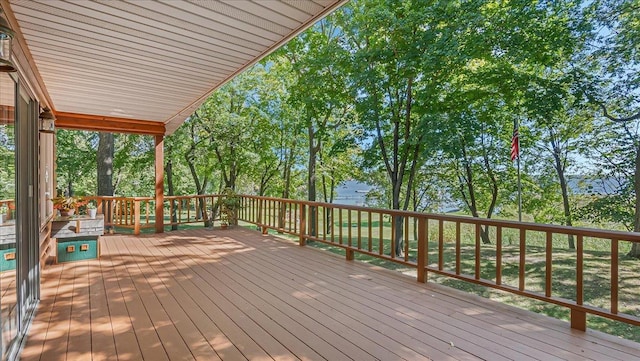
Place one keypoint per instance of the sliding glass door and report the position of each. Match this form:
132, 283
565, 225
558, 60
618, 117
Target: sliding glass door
19, 272
8, 211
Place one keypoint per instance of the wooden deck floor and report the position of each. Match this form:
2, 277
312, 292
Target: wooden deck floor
236, 295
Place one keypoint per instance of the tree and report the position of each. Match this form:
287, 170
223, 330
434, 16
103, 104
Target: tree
76, 161
611, 84
387, 45
104, 159
320, 91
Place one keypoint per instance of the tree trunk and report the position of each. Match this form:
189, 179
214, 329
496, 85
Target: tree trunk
70, 187
635, 247
168, 168
399, 222
105, 164
311, 180
565, 194
104, 159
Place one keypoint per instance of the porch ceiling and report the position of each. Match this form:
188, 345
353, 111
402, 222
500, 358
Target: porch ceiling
154, 61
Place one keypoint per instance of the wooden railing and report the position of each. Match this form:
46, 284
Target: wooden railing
191, 209
134, 213
479, 251
138, 213
9, 205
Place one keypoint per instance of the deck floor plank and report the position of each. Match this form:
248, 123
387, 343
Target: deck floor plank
214, 313
126, 342
390, 310
266, 343
199, 347
455, 304
165, 328
79, 347
208, 328
382, 310
103, 344
238, 295
369, 338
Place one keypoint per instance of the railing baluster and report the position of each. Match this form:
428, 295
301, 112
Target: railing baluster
523, 259
440, 244
349, 229
614, 276
350, 252
369, 232
381, 234
333, 221
406, 239
340, 225
359, 230
136, 216
302, 225
422, 249
458, 247
579, 317
477, 251
325, 223
548, 266
393, 236
188, 209
498, 255
297, 212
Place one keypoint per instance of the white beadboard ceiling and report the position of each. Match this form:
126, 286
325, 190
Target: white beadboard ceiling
152, 60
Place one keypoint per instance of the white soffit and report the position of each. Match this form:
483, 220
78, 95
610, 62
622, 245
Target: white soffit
153, 60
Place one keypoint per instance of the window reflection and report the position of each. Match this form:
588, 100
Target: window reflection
8, 256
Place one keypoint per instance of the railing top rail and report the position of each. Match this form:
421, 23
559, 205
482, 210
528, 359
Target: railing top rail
121, 198
192, 196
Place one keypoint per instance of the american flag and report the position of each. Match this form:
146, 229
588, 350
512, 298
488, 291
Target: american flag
515, 143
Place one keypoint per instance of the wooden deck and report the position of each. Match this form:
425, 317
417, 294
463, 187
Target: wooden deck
236, 295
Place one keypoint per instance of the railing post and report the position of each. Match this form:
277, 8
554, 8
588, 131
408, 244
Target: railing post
136, 216
579, 317
350, 254
302, 225
578, 320
422, 249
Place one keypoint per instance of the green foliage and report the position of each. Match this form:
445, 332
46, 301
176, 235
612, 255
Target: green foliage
418, 99
7, 162
229, 204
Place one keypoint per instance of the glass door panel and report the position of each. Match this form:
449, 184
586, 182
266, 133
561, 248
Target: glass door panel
8, 211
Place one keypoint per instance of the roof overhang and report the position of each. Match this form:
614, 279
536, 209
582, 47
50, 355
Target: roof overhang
145, 66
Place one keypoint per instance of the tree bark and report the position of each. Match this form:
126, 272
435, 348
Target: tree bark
311, 177
469, 198
168, 168
104, 159
105, 164
560, 170
635, 247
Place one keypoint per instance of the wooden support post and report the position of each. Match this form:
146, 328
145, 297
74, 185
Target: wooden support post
422, 250
159, 165
302, 225
350, 254
578, 320
136, 216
